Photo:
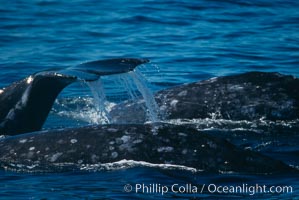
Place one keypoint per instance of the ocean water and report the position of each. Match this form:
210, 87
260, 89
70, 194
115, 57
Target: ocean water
186, 41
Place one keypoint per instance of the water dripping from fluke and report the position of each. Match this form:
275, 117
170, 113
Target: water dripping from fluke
137, 89
152, 108
100, 101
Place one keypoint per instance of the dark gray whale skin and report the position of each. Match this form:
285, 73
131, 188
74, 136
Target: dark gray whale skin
247, 96
153, 143
25, 104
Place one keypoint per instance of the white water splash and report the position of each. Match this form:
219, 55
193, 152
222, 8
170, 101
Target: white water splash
81, 109
133, 87
2, 136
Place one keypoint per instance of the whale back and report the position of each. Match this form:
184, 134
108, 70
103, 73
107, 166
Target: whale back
248, 96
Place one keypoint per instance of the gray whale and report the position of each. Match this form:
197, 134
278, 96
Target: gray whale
154, 143
246, 96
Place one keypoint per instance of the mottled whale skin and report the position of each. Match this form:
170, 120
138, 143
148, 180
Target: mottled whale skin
153, 143
248, 96
25, 104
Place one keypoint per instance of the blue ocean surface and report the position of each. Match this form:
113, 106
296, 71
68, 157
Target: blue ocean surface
185, 40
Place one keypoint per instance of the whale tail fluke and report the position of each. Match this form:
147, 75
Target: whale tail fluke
91, 71
26, 104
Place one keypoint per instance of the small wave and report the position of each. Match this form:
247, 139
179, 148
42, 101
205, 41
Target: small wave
125, 164
119, 165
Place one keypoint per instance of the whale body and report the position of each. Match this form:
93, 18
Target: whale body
248, 96
153, 143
